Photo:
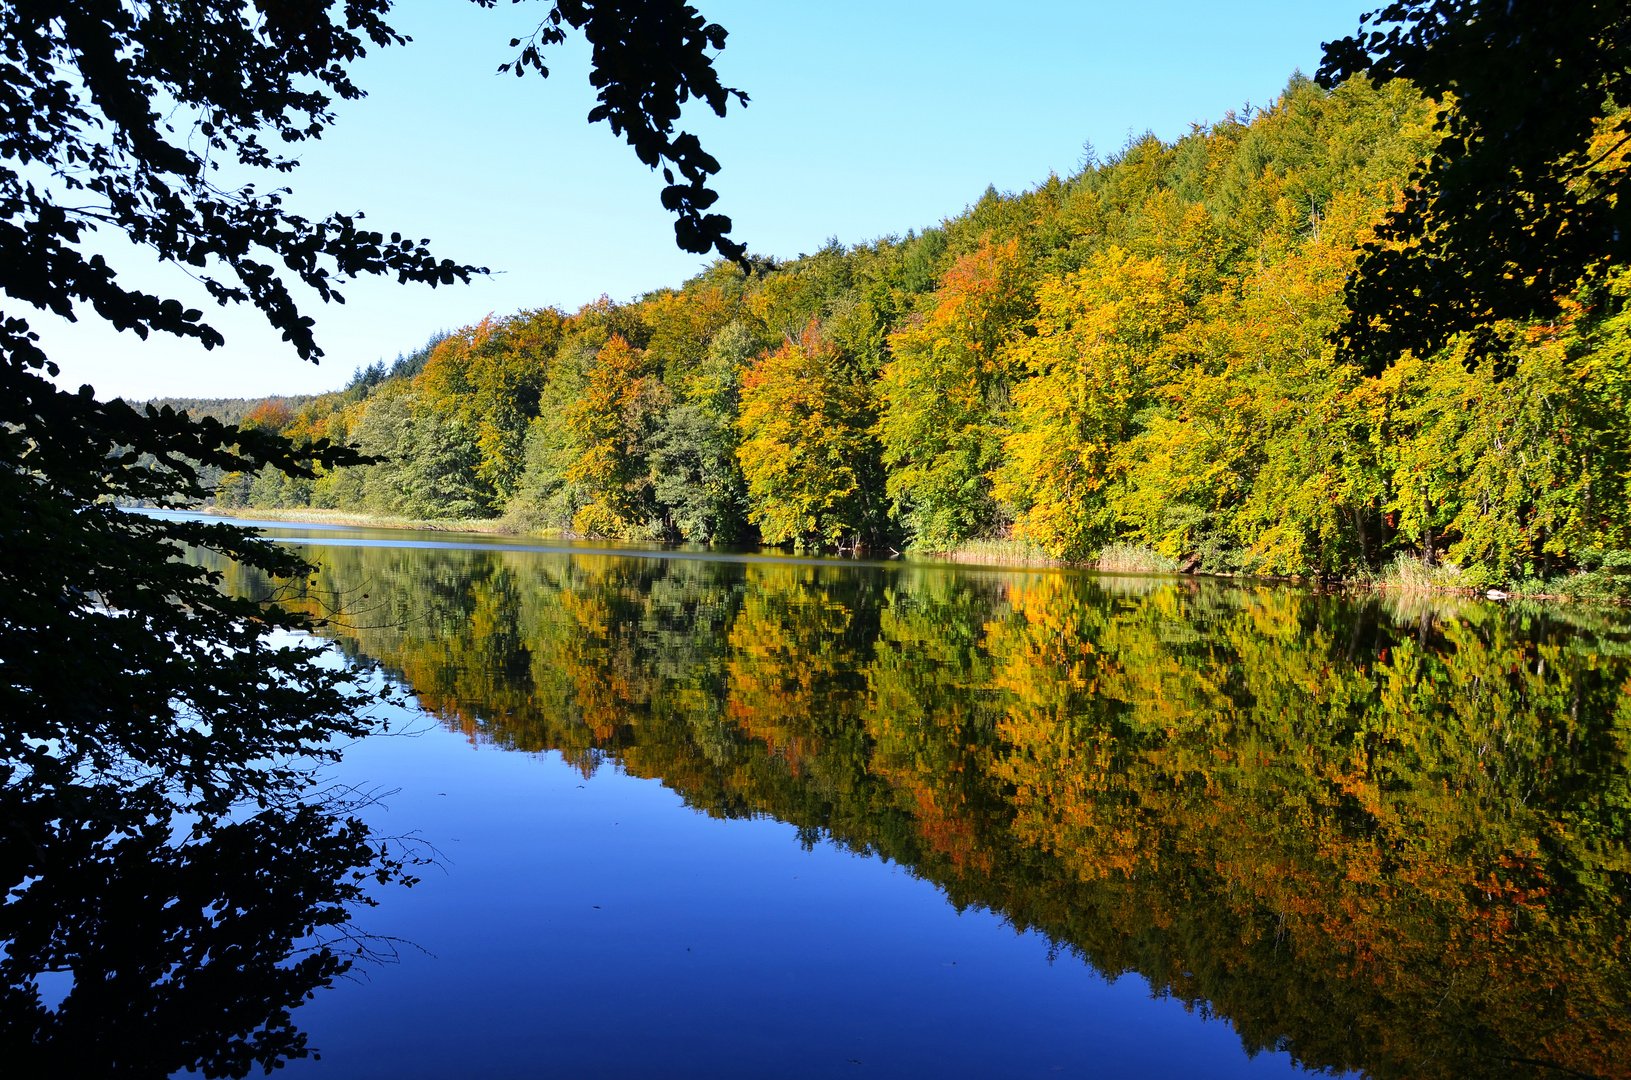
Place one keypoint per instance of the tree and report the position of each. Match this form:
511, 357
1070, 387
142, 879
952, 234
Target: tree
489, 378
698, 477
143, 708
613, 423
807, 447
155, 733
945, 394
1529, 191
1102, 346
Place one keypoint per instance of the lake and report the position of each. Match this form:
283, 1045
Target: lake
717, 815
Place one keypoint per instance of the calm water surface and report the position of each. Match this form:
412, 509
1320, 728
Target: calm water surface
745, 817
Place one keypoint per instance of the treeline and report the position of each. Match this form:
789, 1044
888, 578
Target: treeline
236, 410
1140, 354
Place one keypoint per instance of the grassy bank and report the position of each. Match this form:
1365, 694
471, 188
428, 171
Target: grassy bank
1602, 577
1116, 558
375, 521
1605, 577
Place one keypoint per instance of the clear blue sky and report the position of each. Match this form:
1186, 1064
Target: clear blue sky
868, 118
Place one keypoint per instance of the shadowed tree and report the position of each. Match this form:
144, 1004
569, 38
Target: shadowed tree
1529, 191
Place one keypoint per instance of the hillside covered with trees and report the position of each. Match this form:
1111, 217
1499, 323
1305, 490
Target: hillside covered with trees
1144, 353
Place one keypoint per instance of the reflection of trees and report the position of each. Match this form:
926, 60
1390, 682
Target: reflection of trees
171, 884
1384, 840
187, 955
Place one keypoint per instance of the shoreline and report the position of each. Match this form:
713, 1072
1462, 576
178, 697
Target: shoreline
996, 554
492, 526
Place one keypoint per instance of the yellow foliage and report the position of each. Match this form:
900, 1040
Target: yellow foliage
806, 436
1103, 345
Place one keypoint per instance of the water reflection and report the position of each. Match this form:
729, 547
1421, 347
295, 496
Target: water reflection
1380, 835
132, 954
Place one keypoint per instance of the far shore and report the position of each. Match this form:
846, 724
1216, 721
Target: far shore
495, 526
987, 553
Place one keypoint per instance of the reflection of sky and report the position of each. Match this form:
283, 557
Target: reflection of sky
601, 928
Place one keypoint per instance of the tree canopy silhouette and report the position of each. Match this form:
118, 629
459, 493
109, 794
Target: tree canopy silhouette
1529, 191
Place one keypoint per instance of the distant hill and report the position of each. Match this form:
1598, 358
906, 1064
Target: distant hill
226, 410
363, 380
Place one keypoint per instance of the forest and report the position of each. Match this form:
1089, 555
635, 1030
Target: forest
1138, 362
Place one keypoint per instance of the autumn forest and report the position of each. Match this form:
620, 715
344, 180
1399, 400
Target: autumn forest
1140, 357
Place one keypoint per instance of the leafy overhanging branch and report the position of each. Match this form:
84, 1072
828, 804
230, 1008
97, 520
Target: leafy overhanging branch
648, 60
1526, 194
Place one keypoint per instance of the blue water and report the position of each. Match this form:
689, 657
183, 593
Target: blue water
599, 928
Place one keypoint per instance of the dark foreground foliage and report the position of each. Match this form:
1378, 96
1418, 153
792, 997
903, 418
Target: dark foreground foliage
1527, 193
160, 858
